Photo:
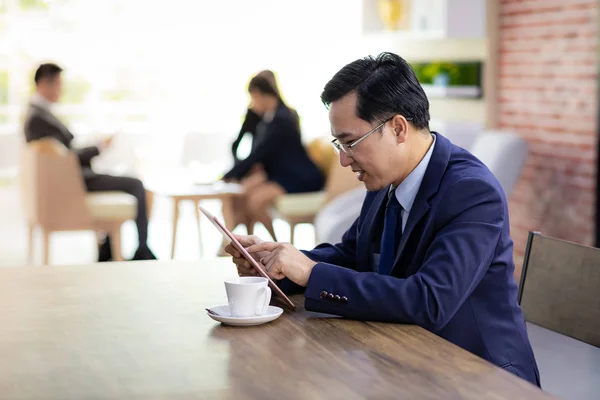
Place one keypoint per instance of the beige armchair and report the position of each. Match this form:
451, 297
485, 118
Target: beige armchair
54, 197
302, 208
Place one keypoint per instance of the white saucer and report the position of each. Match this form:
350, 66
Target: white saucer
225, 317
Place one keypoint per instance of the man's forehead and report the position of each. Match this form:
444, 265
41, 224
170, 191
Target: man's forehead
345, 126
344, 105
342, 117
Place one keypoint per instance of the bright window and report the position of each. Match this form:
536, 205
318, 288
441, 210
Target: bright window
177, 66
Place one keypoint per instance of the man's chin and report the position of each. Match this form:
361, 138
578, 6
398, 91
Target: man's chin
373, 186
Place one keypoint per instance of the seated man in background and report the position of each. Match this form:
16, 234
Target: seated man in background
40, 123
431, 245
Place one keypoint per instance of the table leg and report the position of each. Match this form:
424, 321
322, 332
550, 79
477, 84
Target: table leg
115, 243
175, 220
197, 210
46, 246
30, 243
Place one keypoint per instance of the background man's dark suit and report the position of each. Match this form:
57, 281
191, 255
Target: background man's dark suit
41, 123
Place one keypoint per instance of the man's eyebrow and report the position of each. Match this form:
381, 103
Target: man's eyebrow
343, 135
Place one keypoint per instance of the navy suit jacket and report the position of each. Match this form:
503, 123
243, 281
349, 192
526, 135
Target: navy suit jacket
453, 272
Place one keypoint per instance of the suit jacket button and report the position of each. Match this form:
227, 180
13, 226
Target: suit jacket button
330, 296
344, 299
323, 294
337, 297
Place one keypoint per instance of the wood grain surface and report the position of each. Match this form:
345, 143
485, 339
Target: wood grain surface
138, 330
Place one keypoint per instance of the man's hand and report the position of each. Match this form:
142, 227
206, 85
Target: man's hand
244, 268
105, 143
108, 141
284, 261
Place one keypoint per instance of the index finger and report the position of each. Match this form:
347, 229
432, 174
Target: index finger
245, 240
231, 250
264, 246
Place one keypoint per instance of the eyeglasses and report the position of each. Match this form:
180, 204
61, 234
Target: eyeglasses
347, 147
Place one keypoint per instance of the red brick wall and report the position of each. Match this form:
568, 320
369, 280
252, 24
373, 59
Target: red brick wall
547, 94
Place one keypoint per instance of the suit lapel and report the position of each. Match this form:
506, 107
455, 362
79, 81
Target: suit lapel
416, 213
51, 119
366, 238
429, 187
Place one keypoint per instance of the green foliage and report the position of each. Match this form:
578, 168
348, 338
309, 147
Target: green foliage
459, 73
136, 117
71, 118
75, 90
33, 4
4, 87
116, 95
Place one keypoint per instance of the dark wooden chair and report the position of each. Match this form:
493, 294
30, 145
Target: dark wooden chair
560, 287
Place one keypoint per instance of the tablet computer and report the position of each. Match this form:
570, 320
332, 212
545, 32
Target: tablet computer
235, 243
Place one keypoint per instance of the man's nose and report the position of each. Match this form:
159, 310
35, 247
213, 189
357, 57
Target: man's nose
345, 160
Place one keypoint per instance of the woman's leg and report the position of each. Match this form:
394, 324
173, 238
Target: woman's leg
240, 215
255, 179
258, 202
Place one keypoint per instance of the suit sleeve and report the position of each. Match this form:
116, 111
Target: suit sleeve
342, 254
469, 228
236, 144
249, 125
86, 154
274, 138
38, 128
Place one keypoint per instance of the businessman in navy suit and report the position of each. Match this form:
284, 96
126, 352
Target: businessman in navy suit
431, 246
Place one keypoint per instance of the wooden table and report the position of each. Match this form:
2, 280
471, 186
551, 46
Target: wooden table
196, 193
138, 330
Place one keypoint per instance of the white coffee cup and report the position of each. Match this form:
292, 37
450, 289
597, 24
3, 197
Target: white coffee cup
248, 296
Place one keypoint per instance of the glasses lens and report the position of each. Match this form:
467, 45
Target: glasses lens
336, 145
341, 148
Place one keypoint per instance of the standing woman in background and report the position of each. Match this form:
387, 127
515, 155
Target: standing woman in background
278, 162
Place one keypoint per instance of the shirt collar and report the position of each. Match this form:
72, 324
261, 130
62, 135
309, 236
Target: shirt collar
39, 101
268, 116
407, 191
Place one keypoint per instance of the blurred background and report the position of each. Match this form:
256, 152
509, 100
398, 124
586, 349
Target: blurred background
171, 79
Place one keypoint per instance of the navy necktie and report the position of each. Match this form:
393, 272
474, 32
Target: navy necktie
392, 230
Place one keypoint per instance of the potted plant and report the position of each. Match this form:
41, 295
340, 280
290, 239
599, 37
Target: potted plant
440, 73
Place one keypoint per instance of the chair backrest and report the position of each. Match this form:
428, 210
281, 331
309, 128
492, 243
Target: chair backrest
504, 153
560, 287
338, 215
52, 188
460, 133
338, 179
322, 154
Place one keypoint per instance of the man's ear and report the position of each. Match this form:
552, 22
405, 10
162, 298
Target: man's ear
400, 128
